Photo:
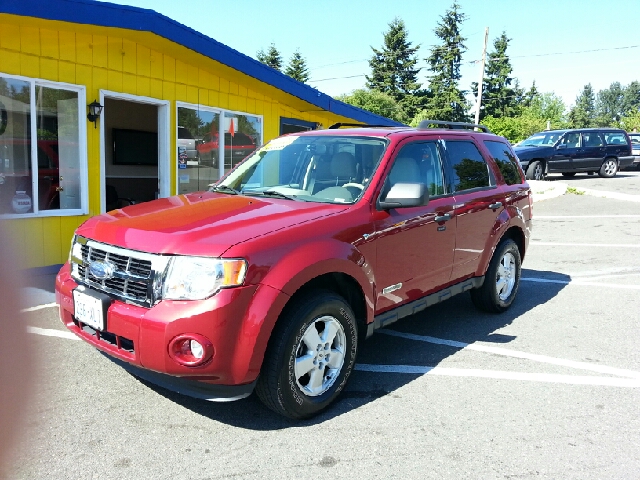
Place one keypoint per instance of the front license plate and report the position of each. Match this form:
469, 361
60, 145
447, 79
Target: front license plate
90, 308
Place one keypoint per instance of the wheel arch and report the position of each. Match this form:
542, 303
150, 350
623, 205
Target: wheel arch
343, 285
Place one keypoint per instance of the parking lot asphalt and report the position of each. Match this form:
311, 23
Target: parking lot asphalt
547, 390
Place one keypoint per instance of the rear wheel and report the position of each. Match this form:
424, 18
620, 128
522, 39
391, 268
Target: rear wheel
501, 280
535, 171
609, 168
310, 356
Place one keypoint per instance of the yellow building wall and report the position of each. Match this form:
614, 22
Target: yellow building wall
136, 63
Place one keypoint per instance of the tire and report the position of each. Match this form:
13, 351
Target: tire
569, 174
535, 171
609, 168
310, 355
501, 280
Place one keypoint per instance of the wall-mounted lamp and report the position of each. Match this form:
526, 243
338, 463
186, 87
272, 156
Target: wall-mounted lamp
95, 109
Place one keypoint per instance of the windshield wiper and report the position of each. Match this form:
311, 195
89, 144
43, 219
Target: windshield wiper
275, 193
224, 189
272, 193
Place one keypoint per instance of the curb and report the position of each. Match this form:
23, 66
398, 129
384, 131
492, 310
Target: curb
543, 190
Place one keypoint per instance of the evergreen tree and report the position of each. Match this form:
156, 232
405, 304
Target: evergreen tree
610, 105
529, 97
631, 98
393, 68
272, 57
499, 97
445, 100
297, 68
583, 114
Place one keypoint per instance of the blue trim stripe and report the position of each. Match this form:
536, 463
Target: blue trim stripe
133, 18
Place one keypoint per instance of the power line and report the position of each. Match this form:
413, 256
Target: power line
469, 62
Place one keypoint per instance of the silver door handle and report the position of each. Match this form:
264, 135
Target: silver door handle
443, 218
495, 206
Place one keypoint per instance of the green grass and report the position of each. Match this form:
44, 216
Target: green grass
575, 191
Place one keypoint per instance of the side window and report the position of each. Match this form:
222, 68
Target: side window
615, 138
592, 139
469, 167
571, 140
505, 160
419, 162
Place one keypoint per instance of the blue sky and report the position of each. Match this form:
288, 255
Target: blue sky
561, 44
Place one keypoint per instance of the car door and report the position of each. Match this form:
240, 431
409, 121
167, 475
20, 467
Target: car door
593, 152
414, 245
478, 203
565, 152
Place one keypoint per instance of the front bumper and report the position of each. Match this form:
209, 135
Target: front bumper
140, 336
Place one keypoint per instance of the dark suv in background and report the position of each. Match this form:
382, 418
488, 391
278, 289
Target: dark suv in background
590, 150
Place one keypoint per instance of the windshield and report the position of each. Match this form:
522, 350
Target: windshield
328, 169
542, 139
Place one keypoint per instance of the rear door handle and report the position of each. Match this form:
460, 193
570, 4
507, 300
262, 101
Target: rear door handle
443, 218
495, 206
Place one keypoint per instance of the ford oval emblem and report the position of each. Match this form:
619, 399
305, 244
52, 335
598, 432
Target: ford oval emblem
101, 270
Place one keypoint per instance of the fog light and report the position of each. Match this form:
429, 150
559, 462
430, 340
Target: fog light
191, 349
196, 349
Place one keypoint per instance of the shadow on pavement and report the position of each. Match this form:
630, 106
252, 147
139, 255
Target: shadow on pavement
457, 320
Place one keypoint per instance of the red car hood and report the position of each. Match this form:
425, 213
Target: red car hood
202, 223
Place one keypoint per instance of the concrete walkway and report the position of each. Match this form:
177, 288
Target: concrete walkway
543, 190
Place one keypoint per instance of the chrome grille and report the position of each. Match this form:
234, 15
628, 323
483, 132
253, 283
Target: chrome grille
135, 276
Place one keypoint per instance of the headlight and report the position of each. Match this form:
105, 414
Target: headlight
197, 278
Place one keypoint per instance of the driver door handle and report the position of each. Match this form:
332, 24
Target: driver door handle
495, 206
443, 218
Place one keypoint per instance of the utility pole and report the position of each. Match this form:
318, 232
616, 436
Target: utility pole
484, 56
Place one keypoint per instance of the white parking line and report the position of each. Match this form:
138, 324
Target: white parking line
39, 307
544, 217
48, 332
532, 377
516, 354
622, 286
599, 245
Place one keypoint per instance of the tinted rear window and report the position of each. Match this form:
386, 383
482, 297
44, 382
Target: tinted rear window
505, 160
615, 138
469, 167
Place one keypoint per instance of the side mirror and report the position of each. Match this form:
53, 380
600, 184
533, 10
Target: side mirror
561, 146
403, 195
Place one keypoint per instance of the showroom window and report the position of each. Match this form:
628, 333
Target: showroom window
204, 136
42, 139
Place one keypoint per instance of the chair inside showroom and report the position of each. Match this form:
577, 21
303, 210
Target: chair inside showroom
113, 201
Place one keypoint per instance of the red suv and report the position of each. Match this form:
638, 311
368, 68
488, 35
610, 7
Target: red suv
270, 280
236, 148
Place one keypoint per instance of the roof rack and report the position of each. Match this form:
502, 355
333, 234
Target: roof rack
362, 125
424, 125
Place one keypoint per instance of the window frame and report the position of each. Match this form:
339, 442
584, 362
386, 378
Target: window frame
451, 170
82, 148
221, 134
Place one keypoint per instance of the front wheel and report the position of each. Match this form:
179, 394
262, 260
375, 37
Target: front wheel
535, 171
609, 168
310, 356
501, 280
